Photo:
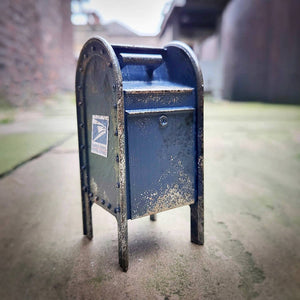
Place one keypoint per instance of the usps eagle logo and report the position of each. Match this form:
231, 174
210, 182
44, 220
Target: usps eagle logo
99, 143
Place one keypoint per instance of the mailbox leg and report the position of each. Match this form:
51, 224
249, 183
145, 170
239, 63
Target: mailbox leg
87, 217
197, 222
123, 244
153, 217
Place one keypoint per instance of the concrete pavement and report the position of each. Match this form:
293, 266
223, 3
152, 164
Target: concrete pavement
252, 225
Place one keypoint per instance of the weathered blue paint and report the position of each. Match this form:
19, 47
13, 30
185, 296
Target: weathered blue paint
140, 131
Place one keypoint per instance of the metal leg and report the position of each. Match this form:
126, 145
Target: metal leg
87, 216
153, 217
197, 222
123, 244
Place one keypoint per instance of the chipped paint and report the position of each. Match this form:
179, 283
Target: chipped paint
94, 186
167, 196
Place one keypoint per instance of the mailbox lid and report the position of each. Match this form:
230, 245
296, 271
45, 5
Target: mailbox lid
161, 159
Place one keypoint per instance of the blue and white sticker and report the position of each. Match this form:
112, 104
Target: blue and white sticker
100, 135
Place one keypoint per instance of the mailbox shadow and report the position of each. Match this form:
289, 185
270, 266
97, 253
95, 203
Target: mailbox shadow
148, 245
144, 242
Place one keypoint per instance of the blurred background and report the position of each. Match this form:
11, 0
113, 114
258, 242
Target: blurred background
249, 54
247, 50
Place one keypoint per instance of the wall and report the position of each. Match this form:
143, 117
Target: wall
36, 54
261, 51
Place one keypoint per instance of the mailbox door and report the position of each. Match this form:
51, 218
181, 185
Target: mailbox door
161, 159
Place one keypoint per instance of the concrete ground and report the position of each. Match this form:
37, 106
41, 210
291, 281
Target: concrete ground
252, 218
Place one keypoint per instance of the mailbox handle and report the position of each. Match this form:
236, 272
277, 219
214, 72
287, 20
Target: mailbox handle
149, 60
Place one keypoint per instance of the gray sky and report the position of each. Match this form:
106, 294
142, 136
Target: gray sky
142, 16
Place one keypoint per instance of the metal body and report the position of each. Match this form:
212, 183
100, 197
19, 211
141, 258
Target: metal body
140, 133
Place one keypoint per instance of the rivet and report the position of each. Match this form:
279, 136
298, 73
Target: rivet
79, 87
109, 206
110, 65
84, 188
115, 106
85, 56
102, 201
117, 158
96, 198
81, 125
114, 87
80, 69
116, 132
118, 185
93, 48
82, 147
83, 167
117, 210
91, 195
80, 103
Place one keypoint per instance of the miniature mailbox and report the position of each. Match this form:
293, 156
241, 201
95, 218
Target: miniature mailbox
140, 133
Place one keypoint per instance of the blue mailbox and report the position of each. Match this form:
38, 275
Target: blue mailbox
140, 133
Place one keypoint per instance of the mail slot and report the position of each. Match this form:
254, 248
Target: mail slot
140, 133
